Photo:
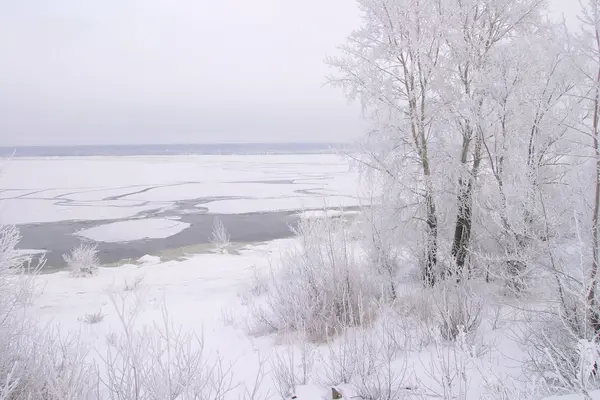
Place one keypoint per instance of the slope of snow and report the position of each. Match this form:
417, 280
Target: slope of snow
205, 293
595, 395
199, 293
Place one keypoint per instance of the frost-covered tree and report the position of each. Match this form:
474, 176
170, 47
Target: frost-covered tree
220, 237
422, 70
526, 146
390, 65
474, 32
587, 61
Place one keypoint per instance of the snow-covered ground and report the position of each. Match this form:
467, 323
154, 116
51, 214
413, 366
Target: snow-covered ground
37, 190
202, 295
208, 293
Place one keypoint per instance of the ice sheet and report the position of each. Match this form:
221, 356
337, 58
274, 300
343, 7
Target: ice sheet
325, 213
28, 211
34, 190
278, 204
126, 231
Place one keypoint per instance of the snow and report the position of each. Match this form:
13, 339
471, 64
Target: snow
278, 204
326, 213
29, 211
595, 395
126, 231
197, 291
148, 260
28, 252
204, 294
36, 190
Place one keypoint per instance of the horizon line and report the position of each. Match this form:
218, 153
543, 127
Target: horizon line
171, 144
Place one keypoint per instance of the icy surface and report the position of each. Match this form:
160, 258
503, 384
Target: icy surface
278, 204
38, 190
325, 213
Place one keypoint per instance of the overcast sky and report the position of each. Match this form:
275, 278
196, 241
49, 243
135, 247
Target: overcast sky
164, 71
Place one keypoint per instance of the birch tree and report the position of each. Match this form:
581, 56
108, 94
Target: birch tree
587, 59
526, 144
390, 65
475, 31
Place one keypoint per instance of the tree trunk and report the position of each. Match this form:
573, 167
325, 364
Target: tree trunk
430, 270
431, 246
591, 297
462, 229
464, 216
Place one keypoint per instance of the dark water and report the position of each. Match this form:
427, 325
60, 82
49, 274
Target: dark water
171, 149
57, 237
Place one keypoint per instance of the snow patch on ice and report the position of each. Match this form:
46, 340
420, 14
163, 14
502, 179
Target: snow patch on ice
243, 206
148, 260
126, 231
325, 213
30, 252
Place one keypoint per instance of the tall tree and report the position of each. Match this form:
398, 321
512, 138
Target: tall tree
390, 64
475, 31
525, 144
587, 60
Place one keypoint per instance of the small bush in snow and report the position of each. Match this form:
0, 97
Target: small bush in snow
129, 286
563, 347
319, 286
82, 260
283, 370
220, 237
378, 243
458, 311
369, 361
159, 361
93, 318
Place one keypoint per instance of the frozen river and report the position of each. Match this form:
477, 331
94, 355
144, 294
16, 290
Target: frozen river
131, 206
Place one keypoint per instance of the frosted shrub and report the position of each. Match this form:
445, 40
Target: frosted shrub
319, 286
378, 244
34, 363
133, 284
9, 238
220, 237
563, 349
93, 318
41, 364
159, 361
15, 284
368, 360
82, 260
458, 311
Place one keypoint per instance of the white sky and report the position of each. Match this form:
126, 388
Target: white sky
164, 71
